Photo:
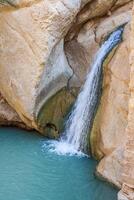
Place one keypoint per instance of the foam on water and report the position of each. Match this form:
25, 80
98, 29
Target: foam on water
28, 173
74, 139
62, 148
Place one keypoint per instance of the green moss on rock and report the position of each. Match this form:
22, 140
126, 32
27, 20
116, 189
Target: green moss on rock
51, 117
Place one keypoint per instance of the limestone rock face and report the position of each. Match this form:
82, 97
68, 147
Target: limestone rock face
46, 49
81, 50
127, 192
111, 129
108, 135
33, 65
128, 162
98, 8
111, 118
8, 116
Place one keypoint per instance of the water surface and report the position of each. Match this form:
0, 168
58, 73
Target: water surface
28, 172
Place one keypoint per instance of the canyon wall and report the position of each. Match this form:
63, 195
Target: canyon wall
108, 136
127, 192
46, 49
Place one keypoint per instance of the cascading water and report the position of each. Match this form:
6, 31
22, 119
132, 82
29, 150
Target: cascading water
74, 138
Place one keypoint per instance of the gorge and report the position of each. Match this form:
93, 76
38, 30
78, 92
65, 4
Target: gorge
79, 122
47, 48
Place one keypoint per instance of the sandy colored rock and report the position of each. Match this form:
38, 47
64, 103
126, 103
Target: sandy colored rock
33, 65
119, 17
111, 119
82, 49
95, 9
108, 137
110, 167
34, 48
46, 49
127, 192
128, 161
120, 3
78, 59
99, 8
8, 116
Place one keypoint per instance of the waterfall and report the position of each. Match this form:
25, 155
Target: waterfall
74, 138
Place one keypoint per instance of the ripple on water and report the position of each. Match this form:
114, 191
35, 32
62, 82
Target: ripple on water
29, 171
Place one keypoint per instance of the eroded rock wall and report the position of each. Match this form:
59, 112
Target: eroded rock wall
108, 136
127, 192
33, 66
8, 116
46, 49
111, 119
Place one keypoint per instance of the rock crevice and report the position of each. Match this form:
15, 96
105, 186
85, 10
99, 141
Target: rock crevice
46, 49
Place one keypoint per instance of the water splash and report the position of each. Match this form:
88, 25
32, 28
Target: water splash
74, 139
62, 148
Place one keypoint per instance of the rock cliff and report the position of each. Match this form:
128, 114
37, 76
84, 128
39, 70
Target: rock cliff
46, 49
127, 192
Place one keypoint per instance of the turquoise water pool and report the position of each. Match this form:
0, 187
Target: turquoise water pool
30, 172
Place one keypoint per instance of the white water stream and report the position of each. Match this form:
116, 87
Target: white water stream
74, 139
